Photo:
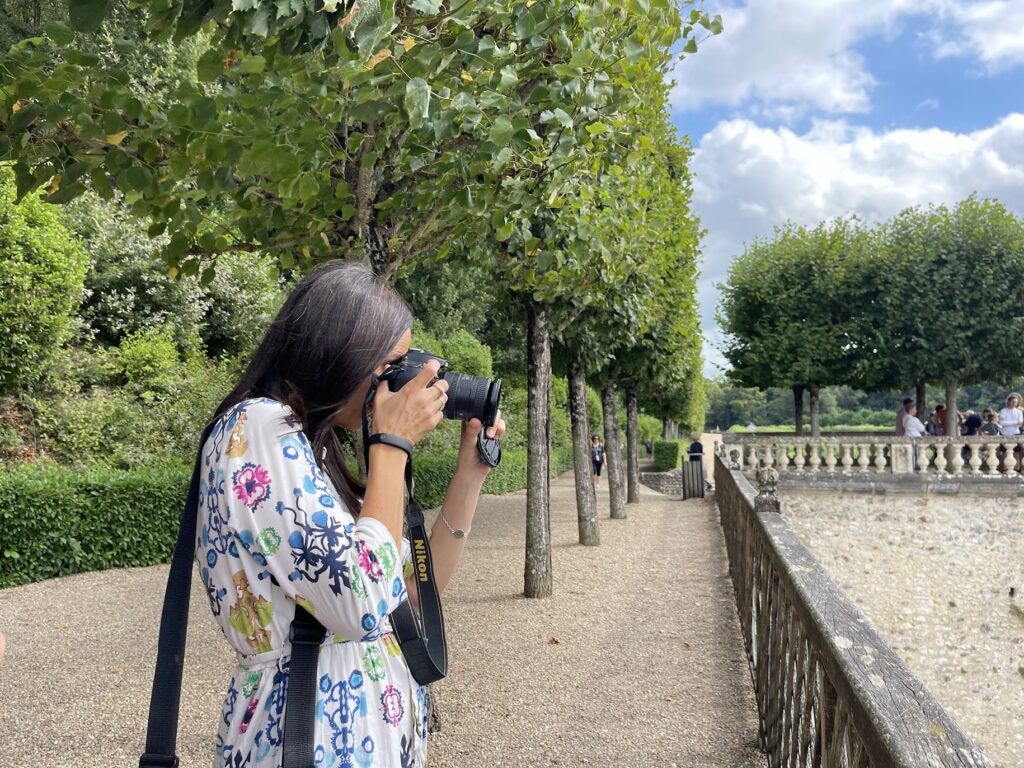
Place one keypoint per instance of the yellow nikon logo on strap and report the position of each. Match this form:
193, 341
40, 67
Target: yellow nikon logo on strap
420, 552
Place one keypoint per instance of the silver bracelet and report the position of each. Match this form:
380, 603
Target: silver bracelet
458, 533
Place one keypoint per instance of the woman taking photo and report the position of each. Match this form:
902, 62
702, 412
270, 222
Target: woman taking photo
284, 522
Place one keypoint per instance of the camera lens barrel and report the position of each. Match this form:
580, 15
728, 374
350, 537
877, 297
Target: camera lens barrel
472, 397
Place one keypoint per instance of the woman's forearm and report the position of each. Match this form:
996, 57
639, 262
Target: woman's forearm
458, 509
384, 499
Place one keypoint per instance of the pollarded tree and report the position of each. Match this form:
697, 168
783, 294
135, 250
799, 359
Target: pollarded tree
948, 286
787, 310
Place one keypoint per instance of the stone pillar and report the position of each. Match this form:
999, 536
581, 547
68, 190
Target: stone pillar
902, 455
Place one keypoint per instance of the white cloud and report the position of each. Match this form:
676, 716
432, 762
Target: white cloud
751, 178
991, 31
783, 57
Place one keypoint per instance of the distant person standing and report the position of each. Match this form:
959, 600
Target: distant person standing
1010, 417
650, 448
901, 414
596, 458
912, 427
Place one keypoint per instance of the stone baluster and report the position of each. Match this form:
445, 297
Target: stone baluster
880, 457
1008, 458
991, 458
975, 459
830, 456
846, 457
940, 457
752, 459
798, 456
862, 456
814, 455
956, 458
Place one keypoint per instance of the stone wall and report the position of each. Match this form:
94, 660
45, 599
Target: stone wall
669, 483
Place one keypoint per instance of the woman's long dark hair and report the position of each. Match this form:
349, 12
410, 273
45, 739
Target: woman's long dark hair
337, 325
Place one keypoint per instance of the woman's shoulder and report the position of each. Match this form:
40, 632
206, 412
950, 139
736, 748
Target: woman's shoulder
258, 417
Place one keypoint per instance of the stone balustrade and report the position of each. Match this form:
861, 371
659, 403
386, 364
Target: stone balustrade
874, 454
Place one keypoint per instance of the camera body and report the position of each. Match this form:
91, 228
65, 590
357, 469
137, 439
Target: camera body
468, 396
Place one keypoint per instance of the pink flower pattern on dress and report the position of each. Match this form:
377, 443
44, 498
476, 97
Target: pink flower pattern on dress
251, 484
369, 563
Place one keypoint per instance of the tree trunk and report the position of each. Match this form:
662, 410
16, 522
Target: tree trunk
537, 577
613, 451
664, 429
815, 422
632, 450
950, 425
586, 496
798, 409
919, 397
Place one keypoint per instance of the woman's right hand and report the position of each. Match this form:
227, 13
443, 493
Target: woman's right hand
415, 409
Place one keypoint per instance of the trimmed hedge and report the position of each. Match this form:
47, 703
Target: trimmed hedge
668, 454
56, 521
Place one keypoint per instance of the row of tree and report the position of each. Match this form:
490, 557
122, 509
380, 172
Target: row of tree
528, 139
933, 295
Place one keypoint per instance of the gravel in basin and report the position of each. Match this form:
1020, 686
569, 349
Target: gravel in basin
934, 575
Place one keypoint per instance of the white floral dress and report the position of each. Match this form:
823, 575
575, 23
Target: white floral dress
273, 532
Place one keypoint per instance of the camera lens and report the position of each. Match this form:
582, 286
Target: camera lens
472, 397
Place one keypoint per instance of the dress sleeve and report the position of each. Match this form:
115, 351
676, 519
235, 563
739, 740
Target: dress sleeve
288, 517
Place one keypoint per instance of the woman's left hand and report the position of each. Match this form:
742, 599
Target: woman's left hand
467, 445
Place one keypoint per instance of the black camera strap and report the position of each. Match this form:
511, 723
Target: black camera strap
423, 641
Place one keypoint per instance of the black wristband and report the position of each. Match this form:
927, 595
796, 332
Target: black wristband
393, 440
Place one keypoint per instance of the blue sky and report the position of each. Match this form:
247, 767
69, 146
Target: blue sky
803, 111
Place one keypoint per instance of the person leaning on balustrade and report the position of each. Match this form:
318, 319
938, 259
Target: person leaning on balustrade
901, 414
912, 426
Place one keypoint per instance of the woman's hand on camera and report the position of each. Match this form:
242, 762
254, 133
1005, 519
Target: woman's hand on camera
468, 455
415, 409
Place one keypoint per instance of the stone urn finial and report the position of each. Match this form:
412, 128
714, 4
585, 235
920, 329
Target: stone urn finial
734, 458
767, 483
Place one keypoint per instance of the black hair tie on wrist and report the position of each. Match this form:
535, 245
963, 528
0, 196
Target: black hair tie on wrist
394, 441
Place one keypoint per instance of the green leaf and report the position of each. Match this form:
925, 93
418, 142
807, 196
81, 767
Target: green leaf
210, 65
595, 128
501, 131
691, 45
417, 101
252, 65
87, 15
59, 32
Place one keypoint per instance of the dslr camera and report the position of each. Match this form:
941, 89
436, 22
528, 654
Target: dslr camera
468, 396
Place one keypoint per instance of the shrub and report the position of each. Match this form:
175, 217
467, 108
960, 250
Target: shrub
466, 355
667, 454
148, 360
58, 521
127, 291
42, 269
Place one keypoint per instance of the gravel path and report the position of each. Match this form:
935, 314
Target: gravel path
933, 574
635, 661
